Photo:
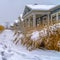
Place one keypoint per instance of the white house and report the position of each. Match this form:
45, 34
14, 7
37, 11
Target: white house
36, 15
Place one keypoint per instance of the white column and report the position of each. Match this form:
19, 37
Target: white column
29, 22
48, 25
25, 22
34, 20
57, 17
43, 21
48, 20
51, 20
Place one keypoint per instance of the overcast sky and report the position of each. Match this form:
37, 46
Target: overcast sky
11, 9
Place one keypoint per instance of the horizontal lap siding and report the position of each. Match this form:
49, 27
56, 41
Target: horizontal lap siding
56, 10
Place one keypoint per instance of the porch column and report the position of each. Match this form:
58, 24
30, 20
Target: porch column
34, 20
29, 22
43, 21
48, 25
51, 20
25, 22
48, 20
57, 17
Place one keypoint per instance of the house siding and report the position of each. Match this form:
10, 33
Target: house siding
56, 10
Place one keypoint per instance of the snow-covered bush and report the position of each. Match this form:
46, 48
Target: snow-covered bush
35, 35
52, 41
48, 38
33, 41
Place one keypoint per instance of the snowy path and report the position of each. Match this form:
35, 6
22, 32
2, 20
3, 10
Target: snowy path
17, 52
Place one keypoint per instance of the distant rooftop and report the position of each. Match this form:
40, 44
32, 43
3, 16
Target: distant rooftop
41, 7
12, 24
16, 21
21, 17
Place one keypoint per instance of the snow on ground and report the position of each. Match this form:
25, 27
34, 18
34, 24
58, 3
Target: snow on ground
10, 51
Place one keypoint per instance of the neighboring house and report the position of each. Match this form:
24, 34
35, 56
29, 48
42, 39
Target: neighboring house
21, 25
17, 25
11, 26
36, 15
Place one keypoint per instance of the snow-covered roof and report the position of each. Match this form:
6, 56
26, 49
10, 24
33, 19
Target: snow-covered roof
12, 24
41, 7
16, 21
21, 17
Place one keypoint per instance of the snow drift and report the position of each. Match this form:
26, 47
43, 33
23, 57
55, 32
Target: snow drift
10, 51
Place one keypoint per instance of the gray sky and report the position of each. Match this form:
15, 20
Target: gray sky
11, 9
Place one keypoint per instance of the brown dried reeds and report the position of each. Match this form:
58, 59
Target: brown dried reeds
1, 28
52, 42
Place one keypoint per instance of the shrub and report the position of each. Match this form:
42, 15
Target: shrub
1, 28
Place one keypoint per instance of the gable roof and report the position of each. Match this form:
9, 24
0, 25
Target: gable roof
41, 7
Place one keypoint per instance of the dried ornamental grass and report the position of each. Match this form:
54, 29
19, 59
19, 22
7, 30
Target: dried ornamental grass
1, 28
52, 42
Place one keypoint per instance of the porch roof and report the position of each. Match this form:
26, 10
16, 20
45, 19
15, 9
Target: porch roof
41, 7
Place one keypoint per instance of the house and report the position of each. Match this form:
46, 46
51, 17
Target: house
41, 15
21, 25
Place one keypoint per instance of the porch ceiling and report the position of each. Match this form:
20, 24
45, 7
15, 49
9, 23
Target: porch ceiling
39, 15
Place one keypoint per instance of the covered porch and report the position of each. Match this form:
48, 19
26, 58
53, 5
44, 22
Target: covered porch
37, 20
55, 17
